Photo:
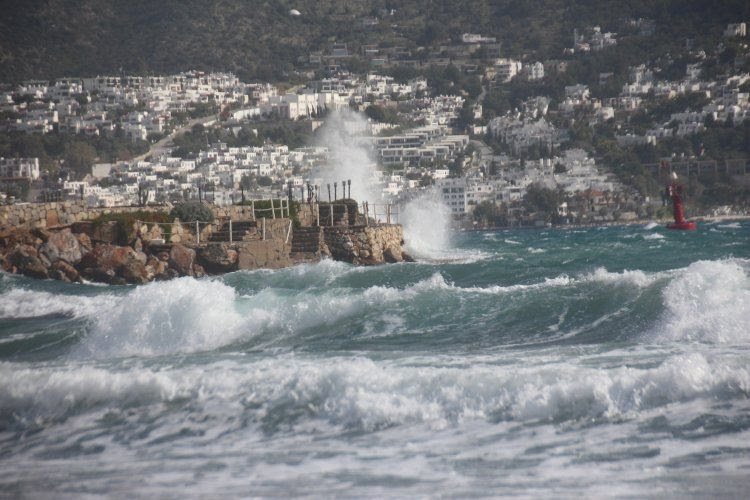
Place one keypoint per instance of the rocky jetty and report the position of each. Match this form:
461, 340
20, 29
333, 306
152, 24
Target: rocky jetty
129, 251
72, 256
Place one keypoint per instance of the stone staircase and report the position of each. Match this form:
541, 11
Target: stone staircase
306, 242
241, 231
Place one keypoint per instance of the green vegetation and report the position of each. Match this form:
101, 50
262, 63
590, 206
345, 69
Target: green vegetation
74, 153
95, 36
126, 220
191, 212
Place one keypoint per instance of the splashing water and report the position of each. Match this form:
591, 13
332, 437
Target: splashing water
426, 222
349, 156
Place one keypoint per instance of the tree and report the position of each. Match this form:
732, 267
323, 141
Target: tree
542, 199
265, 181
79, 158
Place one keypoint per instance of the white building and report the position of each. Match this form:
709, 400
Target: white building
27, 168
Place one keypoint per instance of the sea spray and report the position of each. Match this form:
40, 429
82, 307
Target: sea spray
426, 222
563, 373
349, 158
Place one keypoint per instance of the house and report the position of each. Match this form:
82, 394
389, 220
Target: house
735, 30
23, 168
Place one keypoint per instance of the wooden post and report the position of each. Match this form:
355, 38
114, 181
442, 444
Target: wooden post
264, 228
252, 207
197, 232
230, 230
388, 213
330, 211
273, 210
367, 213
317, 213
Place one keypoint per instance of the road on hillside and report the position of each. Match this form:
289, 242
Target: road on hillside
165, 144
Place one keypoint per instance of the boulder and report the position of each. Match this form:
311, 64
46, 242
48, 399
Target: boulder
107, 256
61, 270
134, 271
61, 245
155, 268
84, 241
181, 259
218, 258
26, 261
393, 255
114, 264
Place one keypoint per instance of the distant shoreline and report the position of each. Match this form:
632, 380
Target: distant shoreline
640, 222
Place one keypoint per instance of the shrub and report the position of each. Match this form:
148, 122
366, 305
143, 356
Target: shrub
126, 220
191, 212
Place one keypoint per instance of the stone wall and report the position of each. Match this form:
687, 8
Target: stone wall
50, 215
366, 245
55, 214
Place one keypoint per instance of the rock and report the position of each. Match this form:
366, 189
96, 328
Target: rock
26, 261
181, 259
134, 271
406, 257
52, 219
61, 270
198, 271
84, 241
62, 245
218, 258
392, 255
114, 264
155, 268
168, 274
107, 232
42, 234
108, 256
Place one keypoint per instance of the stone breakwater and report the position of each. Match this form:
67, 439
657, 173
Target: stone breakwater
76, 249
366, 245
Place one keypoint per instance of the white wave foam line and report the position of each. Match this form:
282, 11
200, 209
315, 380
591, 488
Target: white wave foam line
49, 393
709, 301
629, 277
182, 315
733, 225
361, 393
20, 303
653, 236
651, 225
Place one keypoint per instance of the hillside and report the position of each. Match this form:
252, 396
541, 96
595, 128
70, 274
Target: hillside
260, 40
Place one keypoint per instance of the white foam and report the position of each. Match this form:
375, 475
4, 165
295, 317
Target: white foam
367, 394
22, 303
54, 392
630, 277
427, 240
732, 225
653, 236
651, 225
709, 301
182, 315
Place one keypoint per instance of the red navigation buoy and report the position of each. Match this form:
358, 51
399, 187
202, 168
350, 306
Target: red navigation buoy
674, 192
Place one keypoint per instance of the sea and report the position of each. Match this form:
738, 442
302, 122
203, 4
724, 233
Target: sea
577, 362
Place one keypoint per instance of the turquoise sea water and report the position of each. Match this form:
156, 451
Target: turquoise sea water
597, 362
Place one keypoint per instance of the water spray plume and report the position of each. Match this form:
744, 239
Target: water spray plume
349, 155
426, 222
